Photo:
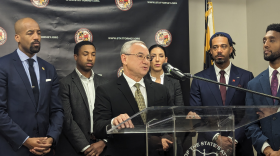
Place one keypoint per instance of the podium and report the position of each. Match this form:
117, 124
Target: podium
166, 128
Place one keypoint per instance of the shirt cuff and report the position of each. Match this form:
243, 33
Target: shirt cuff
278, 110
213, 139
23, 142
265, 144
112, 122
85, 148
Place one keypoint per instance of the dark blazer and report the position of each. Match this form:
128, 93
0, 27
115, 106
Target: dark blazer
267, 129
19, 117
174, 88
76, 127
208, 94
116, 98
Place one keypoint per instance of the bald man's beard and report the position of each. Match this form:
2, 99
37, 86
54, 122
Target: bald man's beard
34, 49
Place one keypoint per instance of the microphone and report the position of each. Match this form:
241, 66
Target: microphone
176, 73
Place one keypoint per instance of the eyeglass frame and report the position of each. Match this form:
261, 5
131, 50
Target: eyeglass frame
142, 58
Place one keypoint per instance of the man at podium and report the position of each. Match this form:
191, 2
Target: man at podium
126, 96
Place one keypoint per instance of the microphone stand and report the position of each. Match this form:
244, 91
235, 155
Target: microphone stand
189, 76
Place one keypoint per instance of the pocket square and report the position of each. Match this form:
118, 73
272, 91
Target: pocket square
47, 80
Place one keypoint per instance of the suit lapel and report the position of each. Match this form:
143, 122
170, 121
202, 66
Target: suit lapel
21, 71
150, 93
79, 85
42, 73
96, 81
264, 81
124, 88
211, 74
234, 80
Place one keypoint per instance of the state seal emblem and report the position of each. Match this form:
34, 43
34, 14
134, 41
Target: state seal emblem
83, 34
3, 36
40, 3
120, 71
163, 37
124, 5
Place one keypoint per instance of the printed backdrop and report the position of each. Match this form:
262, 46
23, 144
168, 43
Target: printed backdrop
107, 23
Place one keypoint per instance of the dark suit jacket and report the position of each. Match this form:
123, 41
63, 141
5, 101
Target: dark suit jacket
267, 129
208, 94
116, 98
76, 127
174, 88
19, 117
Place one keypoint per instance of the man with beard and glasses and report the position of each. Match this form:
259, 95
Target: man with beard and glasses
208, 94
31, 114
77, 92
265, 134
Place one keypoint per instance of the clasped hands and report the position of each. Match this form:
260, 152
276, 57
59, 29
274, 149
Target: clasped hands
265, 112
192, 115
39, 146
95, 149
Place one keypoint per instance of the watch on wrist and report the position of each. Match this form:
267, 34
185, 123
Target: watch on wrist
216, 137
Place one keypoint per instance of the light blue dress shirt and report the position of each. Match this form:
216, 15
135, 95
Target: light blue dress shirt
23, 57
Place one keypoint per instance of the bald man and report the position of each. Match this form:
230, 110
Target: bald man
31, 114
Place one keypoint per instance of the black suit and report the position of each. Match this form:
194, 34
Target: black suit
116, 98
76, 127
174, 88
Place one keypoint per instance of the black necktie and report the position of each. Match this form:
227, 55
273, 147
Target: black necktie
34, 81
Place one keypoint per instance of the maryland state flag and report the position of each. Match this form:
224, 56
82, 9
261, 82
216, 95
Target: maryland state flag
209, 31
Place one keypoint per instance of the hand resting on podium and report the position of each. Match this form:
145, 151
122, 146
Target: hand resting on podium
121, 118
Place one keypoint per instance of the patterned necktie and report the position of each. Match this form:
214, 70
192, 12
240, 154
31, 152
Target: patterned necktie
274, 84
140, 101
34, 81
223, 89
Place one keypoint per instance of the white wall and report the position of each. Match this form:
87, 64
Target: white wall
260, 13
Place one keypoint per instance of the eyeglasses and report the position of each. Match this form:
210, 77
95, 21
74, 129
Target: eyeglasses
141, 56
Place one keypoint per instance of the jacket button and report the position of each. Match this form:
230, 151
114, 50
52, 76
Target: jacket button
274, 118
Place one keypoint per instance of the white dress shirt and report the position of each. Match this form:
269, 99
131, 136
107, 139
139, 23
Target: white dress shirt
88, 85
161, 78
131, 84
270, 71
227, 73
218, 75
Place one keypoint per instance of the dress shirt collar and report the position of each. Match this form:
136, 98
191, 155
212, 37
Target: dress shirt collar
131, 82
270, 70
24, 57
81, 76
227, 70
154, 78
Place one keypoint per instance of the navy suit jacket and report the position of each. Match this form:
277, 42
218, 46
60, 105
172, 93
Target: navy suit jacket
19, 117
208, 94
267, 129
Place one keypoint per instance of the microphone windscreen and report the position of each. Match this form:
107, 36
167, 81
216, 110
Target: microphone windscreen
166, 67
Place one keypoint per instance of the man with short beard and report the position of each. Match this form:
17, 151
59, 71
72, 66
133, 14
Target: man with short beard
208, 94
265, 133
31, 114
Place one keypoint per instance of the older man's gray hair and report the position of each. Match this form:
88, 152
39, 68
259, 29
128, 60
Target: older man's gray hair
127, 45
